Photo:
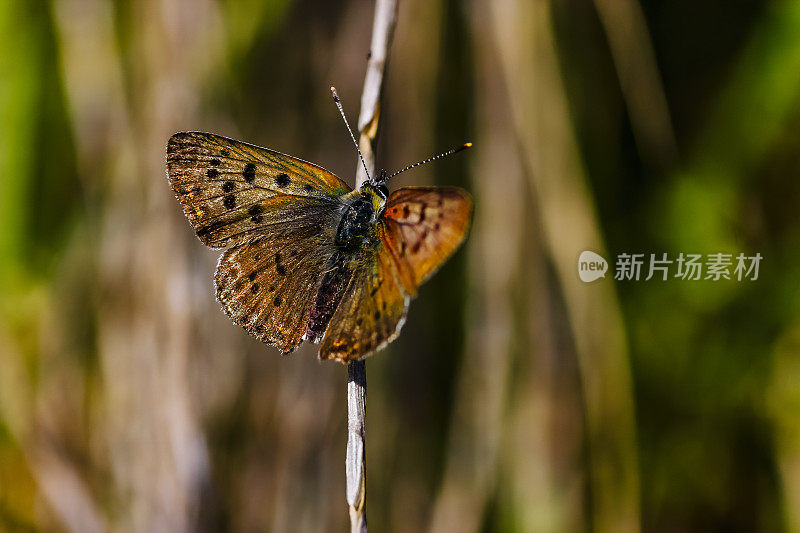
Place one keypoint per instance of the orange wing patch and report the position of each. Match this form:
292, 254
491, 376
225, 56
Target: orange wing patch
424, 226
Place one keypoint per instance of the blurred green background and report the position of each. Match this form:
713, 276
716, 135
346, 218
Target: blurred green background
517, 398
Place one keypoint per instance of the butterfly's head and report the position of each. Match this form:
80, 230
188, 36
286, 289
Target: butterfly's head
378, 185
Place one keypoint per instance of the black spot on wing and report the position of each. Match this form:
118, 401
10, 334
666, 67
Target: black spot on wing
255, 213
278, 266
249, 172
229, 201
282, 180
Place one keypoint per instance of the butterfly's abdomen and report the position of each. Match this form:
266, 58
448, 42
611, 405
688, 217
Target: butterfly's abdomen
356, 225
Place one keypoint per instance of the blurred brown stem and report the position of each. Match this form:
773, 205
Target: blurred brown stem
637, 70
523, 32
355, 464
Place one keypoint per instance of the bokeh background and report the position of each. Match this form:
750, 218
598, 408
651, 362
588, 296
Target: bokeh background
517, 398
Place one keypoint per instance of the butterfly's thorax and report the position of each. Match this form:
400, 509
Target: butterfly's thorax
357, 226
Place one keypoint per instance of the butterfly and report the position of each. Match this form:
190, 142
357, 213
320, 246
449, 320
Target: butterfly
307, 257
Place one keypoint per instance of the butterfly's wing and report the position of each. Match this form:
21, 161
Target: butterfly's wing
268, 285
280, 215
231, 191
371, 311
424, 226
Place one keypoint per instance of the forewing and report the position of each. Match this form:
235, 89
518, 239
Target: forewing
268, 285
424, 226
371, 312
232, 190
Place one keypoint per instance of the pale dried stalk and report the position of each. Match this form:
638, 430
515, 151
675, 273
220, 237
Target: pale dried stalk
355, 464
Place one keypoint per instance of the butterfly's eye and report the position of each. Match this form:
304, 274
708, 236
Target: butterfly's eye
383, 191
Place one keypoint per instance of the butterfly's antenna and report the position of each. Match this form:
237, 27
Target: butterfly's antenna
341, 111
434, 158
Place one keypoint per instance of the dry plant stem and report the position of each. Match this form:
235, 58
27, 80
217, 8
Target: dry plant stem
355, 467
355, 463
382, 31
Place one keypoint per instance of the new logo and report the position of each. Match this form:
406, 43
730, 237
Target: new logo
591, 266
